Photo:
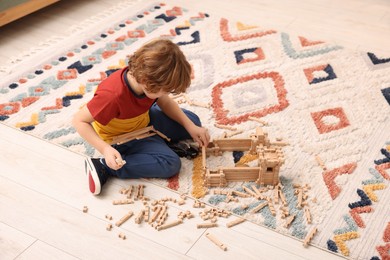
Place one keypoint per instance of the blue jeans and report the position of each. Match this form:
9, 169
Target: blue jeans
151, 157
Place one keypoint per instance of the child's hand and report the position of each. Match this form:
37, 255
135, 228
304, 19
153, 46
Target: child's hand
113, 158
200, 135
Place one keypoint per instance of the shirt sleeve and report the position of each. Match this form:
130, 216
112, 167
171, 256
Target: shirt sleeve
103, 106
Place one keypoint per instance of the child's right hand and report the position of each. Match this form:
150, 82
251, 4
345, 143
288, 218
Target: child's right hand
113, 158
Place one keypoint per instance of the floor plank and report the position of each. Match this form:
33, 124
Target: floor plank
40, 250
70, 230
13, 242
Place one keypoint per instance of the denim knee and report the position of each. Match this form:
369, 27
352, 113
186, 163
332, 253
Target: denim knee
171, 168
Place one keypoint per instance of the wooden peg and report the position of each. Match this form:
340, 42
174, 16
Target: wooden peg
122, 202
109, 227
124, 218
259, 207
216, 241
207, 225
235, 222
308, 215
309, 237
171, 224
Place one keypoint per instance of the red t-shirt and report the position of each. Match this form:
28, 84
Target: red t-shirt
116, 108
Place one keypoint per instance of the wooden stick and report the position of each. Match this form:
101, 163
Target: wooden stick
207, 225
257, 120
289, 220
309, 237
234, 133
124, 218
251, 192
259, 207
140, 217
216, 241
240, 194
308, 215
120, 162
320, 162
235, 222
122, 202
171, 224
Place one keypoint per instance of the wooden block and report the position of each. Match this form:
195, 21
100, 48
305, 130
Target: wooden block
216, 241
231, 128
257, 120
120, 162
171, 224
308, 215
207, 225
289, 220
259, 207
109, 227
309, 237
124, 219
235, 222
122, 202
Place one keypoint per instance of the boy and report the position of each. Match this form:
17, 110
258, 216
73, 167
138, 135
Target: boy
133, 98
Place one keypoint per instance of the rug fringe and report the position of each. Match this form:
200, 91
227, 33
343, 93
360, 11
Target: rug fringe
56, 39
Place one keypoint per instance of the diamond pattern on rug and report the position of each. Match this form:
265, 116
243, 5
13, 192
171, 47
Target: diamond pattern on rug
230, 88
330, 120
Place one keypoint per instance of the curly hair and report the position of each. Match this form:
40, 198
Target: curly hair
161, 65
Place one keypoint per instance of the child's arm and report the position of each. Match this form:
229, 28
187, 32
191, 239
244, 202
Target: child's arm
172, 110
82, 122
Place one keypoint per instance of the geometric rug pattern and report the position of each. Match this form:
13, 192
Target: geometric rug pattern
325, 101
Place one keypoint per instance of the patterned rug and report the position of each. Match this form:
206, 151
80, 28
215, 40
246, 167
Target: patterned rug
330, 104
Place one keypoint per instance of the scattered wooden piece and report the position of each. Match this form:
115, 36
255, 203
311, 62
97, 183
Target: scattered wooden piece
235, 222
309, 237
124, 218
216, 241
300, 198
171, 224
85, 209
121, 235
308, 215
231, 128
139, 217
320, 163
207, 225
240, 194
109, 227
258, 120
122, 202
259, 207
289, 220
251, 192
237, 132
120, 162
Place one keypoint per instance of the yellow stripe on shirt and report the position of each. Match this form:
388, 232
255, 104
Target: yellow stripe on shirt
121, 126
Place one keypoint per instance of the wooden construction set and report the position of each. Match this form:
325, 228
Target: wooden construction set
269, 157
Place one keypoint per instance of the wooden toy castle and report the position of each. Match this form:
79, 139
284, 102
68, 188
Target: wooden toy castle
269, 160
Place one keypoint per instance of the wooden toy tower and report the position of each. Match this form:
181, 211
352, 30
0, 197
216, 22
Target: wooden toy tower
269, 157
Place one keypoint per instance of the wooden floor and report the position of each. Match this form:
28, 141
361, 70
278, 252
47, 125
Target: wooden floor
43, 188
